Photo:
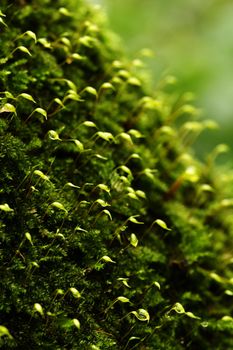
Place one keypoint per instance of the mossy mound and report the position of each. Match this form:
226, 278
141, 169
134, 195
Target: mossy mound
113, 236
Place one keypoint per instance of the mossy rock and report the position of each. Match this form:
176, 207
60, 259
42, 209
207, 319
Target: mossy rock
113, 235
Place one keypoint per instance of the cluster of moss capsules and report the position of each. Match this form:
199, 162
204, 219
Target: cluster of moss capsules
113, 235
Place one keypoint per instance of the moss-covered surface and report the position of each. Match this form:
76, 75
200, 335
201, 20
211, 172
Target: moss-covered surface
113, 236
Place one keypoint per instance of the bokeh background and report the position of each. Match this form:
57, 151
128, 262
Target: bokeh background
192, 40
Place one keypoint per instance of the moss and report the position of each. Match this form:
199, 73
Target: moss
114, 236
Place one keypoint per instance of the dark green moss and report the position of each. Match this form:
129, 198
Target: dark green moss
107, 218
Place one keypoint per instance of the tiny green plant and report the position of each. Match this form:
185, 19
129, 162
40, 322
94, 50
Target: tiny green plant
4, 332
120, 299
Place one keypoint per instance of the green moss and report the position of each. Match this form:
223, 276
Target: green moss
87, 169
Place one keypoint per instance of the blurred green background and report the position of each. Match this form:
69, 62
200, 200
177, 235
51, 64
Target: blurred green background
191, 39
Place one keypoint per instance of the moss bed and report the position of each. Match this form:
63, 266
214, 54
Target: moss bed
113, 235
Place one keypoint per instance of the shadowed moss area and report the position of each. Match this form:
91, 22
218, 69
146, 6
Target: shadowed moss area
113, 235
